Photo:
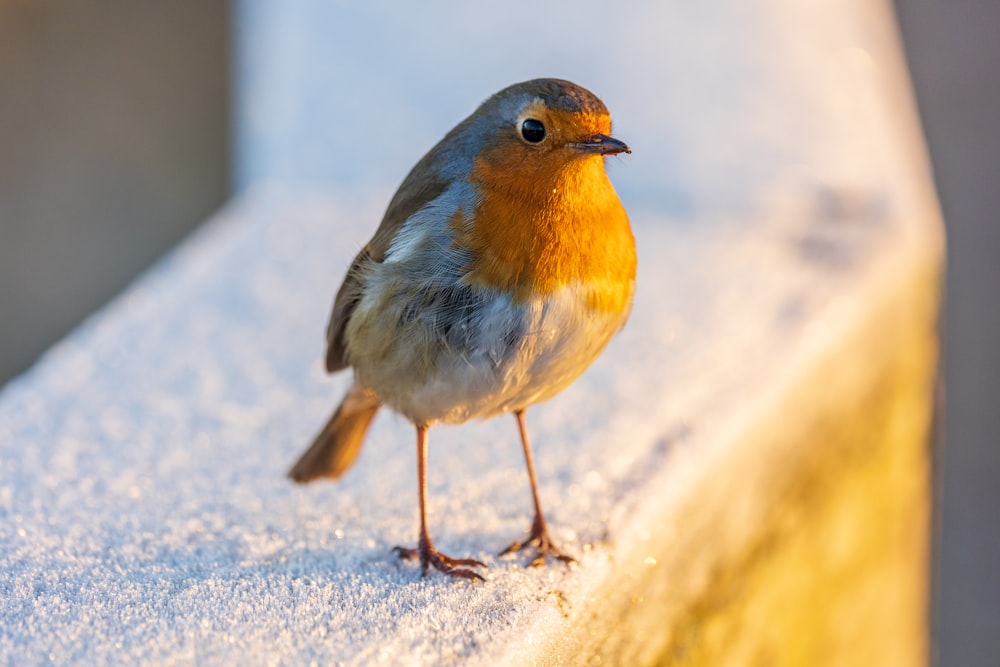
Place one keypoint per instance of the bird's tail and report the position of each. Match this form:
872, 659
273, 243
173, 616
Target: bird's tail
337, 445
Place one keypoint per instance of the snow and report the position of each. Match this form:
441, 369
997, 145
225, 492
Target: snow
146, 516
144, 512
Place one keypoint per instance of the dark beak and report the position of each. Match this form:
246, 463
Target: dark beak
602, 144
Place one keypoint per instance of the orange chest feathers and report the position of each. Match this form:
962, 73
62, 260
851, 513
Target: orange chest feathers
566, 230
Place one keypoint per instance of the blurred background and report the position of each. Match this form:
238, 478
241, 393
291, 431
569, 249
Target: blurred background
953, 53
114, 143
125, 123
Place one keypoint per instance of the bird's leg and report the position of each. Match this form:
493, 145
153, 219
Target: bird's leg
430, 556
539, 535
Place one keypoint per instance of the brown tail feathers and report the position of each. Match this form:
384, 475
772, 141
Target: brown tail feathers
337, 445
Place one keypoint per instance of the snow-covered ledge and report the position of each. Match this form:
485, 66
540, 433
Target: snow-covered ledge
743, 476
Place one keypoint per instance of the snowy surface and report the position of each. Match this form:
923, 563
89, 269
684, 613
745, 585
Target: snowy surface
144, 512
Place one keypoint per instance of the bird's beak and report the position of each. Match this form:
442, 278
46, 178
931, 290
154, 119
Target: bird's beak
602, 144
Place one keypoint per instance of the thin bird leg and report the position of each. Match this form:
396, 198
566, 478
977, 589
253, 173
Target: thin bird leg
429, 556
539, 535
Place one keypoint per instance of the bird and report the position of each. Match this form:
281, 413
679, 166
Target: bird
504, 264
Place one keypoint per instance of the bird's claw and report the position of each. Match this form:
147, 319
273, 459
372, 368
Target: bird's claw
431, 557
544, 548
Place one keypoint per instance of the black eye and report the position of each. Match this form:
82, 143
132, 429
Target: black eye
532, 130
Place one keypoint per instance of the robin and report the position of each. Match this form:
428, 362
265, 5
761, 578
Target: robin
503, 266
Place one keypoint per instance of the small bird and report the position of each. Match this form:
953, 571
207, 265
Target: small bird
502, 267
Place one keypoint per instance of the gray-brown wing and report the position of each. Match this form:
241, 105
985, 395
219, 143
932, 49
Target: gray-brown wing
343, 305
418, 189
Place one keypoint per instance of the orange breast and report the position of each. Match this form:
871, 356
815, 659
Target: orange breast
535, 232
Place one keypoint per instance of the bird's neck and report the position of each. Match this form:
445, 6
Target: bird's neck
565, 229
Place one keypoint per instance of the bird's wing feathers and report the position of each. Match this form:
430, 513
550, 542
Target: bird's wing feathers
420, 187
343, 305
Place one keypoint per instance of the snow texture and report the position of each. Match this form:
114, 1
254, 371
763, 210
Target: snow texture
146, 517
144, 513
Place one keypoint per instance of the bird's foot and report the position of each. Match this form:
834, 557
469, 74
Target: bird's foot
544, 548
431, 557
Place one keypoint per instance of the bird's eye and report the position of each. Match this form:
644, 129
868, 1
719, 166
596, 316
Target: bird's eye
532, 130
